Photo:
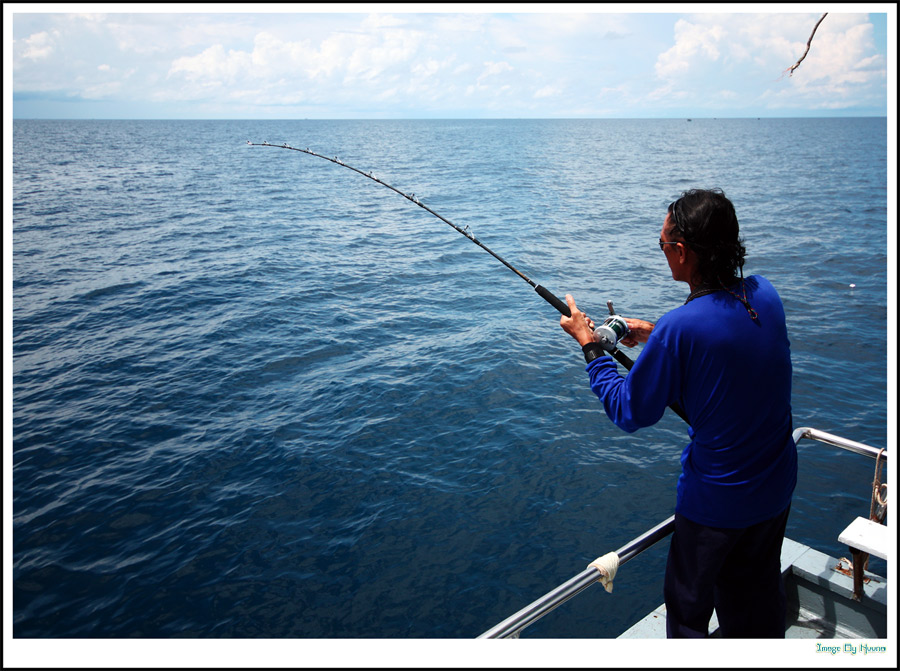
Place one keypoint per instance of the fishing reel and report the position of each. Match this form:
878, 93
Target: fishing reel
611, 331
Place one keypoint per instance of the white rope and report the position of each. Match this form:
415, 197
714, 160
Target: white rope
608, 564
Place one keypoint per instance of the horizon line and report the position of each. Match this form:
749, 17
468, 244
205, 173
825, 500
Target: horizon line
576, 118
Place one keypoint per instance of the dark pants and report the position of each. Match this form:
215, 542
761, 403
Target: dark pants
735, 571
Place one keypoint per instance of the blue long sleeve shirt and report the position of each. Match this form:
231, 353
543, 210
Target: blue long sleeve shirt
732, 376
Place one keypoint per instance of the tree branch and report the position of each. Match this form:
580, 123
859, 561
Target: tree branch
796, 65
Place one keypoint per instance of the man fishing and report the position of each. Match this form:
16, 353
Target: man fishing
725, 357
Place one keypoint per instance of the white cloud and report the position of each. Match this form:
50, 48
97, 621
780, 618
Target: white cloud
771, 41
440, 63
547, 92
101, 90
693, 43
373, 54
492, 68
347, 55
840, 55
712, 51
213, 64
38, 46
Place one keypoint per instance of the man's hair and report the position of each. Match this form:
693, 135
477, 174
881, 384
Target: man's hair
706, 220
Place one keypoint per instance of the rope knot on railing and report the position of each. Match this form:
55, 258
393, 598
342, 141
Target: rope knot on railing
608, 564
878, 508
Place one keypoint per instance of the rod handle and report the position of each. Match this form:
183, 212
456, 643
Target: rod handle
553, 300
622, 358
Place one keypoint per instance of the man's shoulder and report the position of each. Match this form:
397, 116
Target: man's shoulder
759, 282
675, 319
760, 287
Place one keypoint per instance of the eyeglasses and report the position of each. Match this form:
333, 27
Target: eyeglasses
662, 244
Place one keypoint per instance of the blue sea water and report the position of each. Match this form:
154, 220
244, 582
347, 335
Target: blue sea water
256, 394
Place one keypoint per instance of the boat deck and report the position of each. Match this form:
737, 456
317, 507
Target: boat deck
819, 589
818, 595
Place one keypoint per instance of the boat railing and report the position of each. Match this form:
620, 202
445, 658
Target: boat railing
837, 441
513, 626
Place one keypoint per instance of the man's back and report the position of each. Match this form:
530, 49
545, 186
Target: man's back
732, 375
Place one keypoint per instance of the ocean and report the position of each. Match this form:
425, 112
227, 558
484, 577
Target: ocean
257, 395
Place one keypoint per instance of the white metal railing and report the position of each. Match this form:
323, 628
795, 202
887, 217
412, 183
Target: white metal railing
512, 626
837, 441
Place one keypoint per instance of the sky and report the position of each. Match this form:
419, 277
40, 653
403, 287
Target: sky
373, 61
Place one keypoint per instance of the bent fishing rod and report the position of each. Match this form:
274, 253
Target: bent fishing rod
608, 334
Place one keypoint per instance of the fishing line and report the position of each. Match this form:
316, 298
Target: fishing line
543, 292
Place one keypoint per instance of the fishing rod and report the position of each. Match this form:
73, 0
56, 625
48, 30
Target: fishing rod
608, 334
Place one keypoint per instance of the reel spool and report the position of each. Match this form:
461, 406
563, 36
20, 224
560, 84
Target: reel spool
611, 331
